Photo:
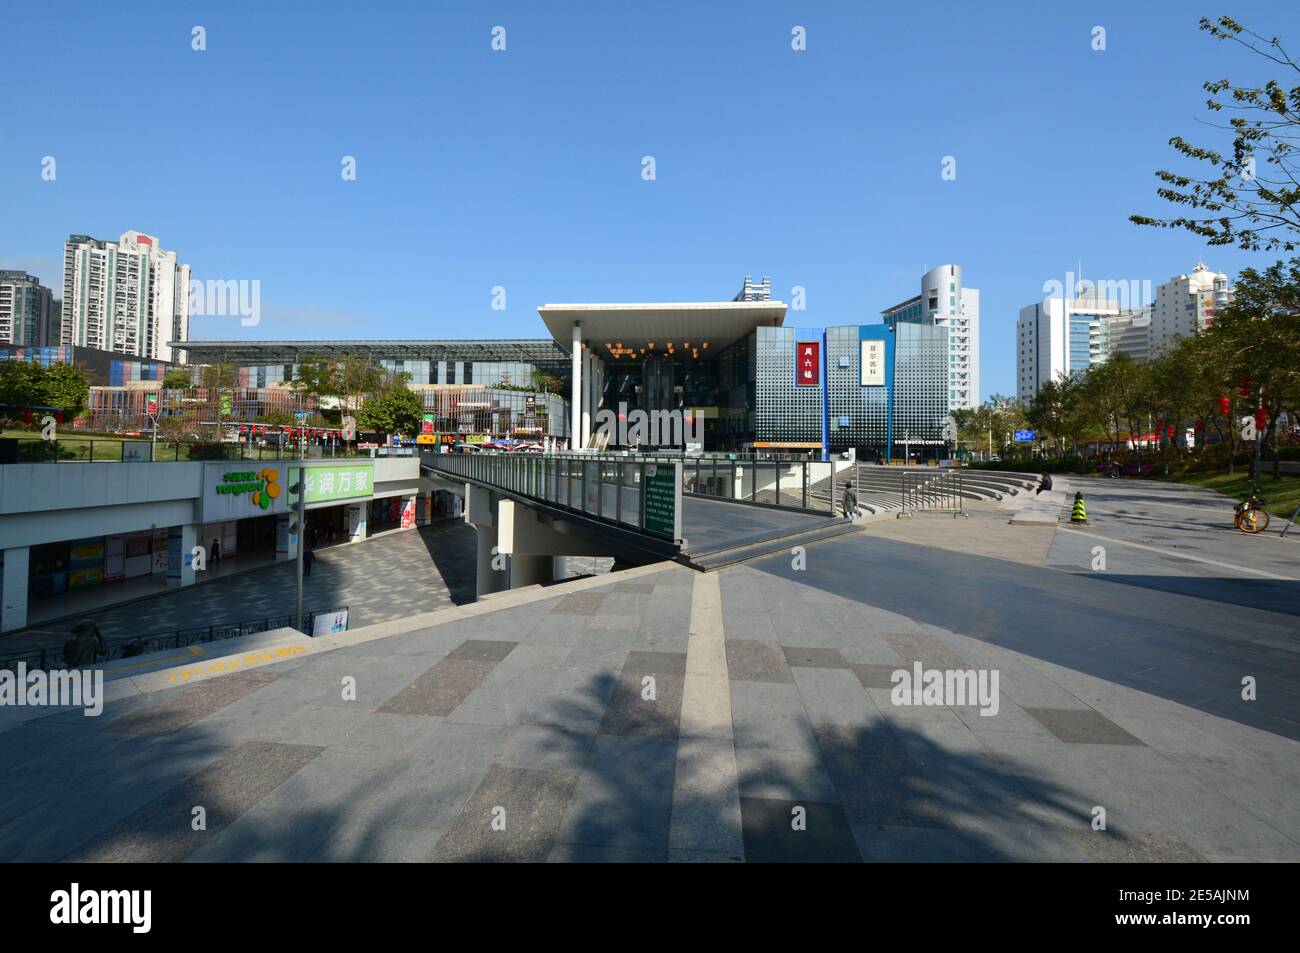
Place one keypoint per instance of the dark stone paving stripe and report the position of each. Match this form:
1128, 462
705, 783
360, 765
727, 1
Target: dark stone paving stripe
483, 650
801, 657
876, 676
580, 603
528, 805
1082, 727
926, 649
629, 714
162, 831
768, 827
192, 704
441, 689
750, 660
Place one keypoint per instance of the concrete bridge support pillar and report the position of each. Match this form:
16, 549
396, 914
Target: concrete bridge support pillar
528, 570
481, 512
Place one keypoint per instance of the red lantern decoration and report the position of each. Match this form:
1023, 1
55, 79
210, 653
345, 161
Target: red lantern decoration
1171, 431
1245, 387
27, 416
1200, 424
1225, 406
1261, 418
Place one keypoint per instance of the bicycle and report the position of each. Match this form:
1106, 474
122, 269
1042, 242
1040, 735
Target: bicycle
1251, 517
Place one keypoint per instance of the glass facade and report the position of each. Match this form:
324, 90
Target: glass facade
783, 412
858, 416
102, 368
920, 391
489, 411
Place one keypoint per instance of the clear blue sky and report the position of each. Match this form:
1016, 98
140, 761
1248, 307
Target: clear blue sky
522, 168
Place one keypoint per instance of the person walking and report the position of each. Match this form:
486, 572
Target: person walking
214, 554
308, 558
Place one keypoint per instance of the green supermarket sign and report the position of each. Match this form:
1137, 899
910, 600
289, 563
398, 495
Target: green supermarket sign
263, 485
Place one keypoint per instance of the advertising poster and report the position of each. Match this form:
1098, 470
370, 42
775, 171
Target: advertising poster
327, 623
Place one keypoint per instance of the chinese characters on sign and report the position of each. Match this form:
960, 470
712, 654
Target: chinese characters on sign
336, 482
807, 365
873, 363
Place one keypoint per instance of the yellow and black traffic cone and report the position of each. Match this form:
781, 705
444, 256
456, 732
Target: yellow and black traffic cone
1079, 514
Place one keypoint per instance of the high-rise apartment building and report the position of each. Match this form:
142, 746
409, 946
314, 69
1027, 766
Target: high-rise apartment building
1186, 304
1062, 336
946, 302
25, 307
129, 296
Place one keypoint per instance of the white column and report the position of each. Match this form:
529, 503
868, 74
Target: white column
181, 541
575, 398
588, 384
13, 600
357, 516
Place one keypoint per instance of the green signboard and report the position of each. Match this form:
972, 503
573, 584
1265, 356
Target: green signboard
660, 494
345, 481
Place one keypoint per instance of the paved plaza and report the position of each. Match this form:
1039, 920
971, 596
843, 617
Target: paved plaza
664, 714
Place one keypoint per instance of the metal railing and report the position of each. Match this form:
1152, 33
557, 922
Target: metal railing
782, 483
130, 647
939, 492
638, 493
110, 450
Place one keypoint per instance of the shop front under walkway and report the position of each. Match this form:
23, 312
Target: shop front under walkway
393, 575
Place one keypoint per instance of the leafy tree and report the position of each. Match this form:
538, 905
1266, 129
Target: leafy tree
395, 411
1257, 336
1251, 198
349, 379
65, 387
20, 383
178, 378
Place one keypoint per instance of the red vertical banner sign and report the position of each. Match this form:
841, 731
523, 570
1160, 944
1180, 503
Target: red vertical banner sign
807, 363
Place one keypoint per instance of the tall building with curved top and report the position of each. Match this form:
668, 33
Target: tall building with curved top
946, 302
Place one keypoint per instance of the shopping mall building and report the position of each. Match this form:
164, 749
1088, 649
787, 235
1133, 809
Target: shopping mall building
731, 373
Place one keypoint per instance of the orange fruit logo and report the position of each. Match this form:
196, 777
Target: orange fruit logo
270, 487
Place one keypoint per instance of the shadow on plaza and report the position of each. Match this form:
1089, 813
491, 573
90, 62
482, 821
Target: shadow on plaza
1184, 651
893, 795
1266, 595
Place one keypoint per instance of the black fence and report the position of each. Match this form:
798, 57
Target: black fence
131, 647
108, 450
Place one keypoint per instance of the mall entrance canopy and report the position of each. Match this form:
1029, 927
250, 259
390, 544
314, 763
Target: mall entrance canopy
654, 344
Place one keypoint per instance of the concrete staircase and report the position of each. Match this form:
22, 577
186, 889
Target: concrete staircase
879, 489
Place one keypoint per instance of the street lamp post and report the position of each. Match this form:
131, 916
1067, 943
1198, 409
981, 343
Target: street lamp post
300, 531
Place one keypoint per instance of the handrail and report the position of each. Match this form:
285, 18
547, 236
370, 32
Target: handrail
641, 494
939, 492
113, 450
163, 641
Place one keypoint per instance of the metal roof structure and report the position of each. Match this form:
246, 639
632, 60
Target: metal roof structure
719, 323
530, 351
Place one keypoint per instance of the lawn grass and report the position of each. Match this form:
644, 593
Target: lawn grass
73, 446
1281, 495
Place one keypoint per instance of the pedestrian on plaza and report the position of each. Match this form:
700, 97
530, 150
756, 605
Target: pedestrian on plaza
1045, 483
214, 554
308, 558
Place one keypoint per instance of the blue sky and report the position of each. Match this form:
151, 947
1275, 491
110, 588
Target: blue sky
523, 168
